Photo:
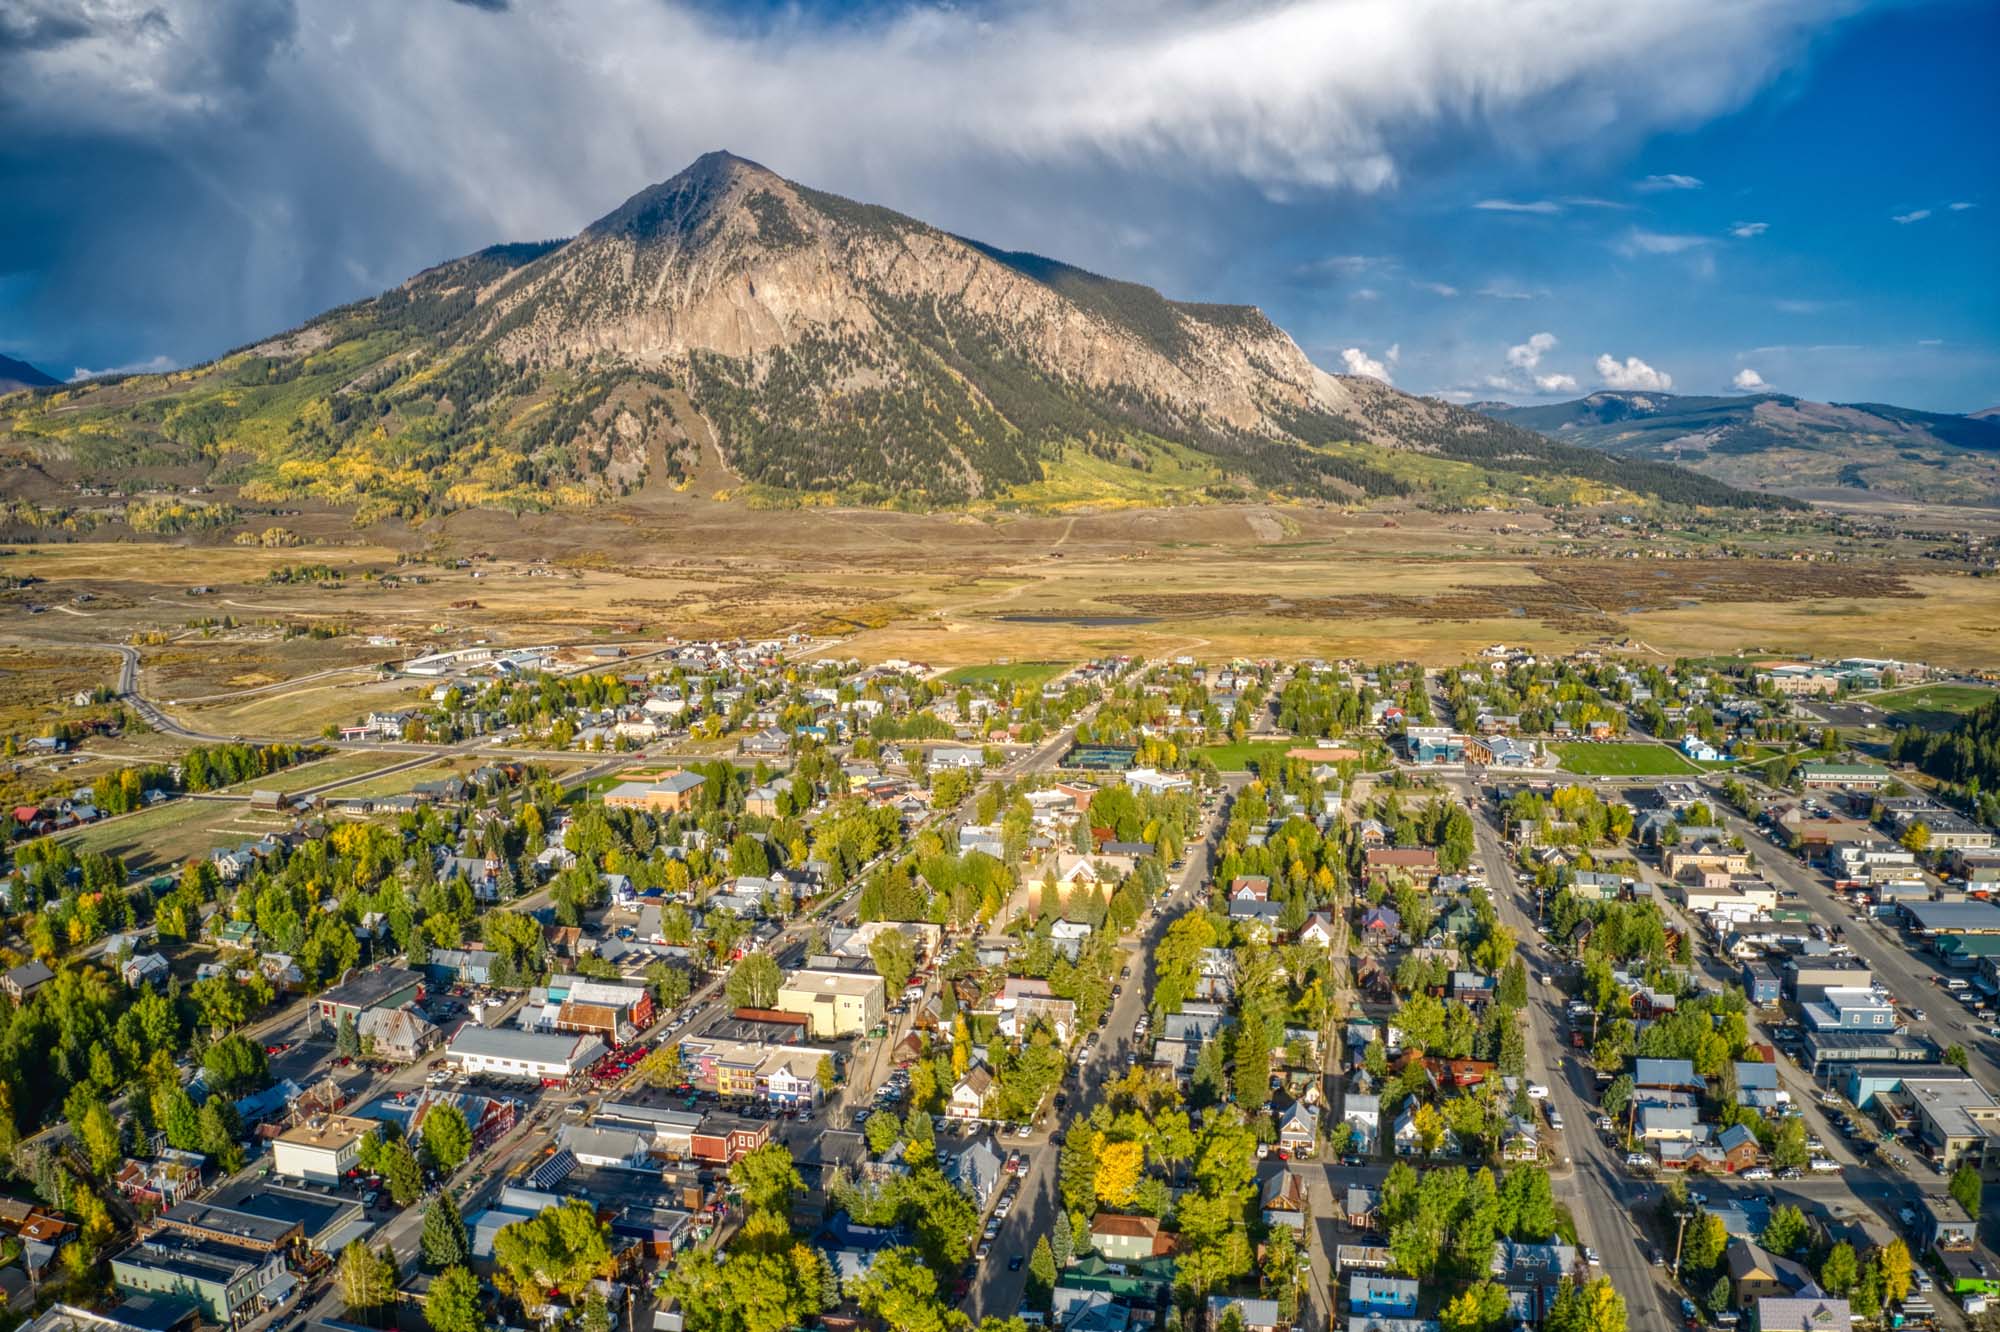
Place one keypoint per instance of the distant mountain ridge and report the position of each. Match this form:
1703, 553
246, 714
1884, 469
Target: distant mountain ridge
801, 348
1786, 444
16, 375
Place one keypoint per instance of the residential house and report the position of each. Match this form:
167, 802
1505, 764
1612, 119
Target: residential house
968, 1095
1283, 1199
1418, 864
1818, 1313
400, 1035
1756, 1274
1256, 1315
1376, 1294
1123, 1239
1298, 1128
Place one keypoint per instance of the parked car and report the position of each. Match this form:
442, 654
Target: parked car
1757, 1172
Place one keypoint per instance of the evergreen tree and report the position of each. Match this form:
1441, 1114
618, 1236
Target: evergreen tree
445, 1242
1042, 1266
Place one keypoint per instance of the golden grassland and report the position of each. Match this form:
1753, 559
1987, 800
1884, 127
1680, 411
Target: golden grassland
1212, 580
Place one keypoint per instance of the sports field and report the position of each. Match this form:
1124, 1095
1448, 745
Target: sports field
1933, 707
1622, 758
1244, 755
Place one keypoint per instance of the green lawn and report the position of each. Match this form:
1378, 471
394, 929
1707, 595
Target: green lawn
1616, 758
1932, 707
1240, 757
337, 768
160, 838
1014, 674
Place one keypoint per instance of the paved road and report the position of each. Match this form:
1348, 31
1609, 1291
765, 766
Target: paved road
1604, 1198
1589, 1173
1911, 976
997, 1291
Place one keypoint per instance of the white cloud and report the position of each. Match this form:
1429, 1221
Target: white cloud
1749, 381
1013, 121
1504, 289
1343, 265
157, 365
1748, 230
1930, 342
1670, 181
1637, 241
1961, 206
1394, 354
1300, 92
1528, 355
1543, 206
1444, 289
1915, 215
1366, 294
1631, 373
1359, 362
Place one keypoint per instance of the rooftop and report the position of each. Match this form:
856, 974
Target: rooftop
854, 983
328, 1132
368, 988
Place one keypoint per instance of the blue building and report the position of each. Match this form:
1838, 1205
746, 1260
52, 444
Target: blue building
1849, 1009
1761, 984
1433, 744
1377, 1295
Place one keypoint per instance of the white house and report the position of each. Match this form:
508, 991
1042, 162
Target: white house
968, 1098
1363, 1114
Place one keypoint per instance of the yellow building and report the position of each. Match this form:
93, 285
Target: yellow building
834, 1003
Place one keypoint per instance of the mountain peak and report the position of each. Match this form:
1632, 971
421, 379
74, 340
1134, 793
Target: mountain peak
19, 375
684, 200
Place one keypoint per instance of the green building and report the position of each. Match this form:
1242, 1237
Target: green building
226, 1281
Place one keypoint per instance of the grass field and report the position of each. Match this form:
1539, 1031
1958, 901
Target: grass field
166, 835
334, 769
1033, 674
1933, 707
1241, 756
1614, 758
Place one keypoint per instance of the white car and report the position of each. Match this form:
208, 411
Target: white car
1538, 1092
1823, 1165
1757, 1172
1638, 1160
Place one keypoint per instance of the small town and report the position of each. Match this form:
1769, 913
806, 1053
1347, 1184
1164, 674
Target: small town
747, 986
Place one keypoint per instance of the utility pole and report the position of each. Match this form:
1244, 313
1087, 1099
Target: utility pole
1680, 1232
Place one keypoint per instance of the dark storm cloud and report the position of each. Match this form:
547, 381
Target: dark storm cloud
184, 176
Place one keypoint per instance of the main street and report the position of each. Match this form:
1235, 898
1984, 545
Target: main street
1609, 1204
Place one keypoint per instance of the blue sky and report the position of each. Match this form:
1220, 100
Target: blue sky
1525, 201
